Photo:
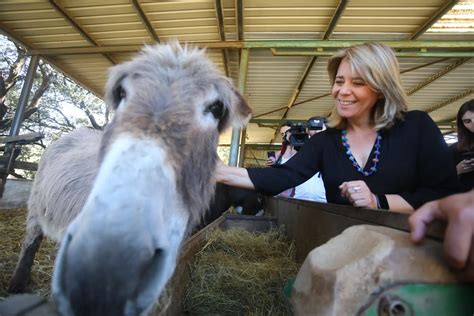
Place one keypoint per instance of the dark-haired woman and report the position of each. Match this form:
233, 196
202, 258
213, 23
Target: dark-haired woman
463, 150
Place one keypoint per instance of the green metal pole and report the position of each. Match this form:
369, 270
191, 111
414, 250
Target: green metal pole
25, 93
345, 43
234, 144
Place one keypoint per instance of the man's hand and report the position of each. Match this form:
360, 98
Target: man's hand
458, 211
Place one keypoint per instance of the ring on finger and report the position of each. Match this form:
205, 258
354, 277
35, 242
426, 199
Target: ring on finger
356, 189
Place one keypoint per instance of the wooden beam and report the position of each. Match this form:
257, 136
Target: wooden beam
25, 165
25, 138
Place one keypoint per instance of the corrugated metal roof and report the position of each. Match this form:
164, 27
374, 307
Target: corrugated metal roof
119, 27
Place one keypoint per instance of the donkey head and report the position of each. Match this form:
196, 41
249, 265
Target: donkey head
155, 180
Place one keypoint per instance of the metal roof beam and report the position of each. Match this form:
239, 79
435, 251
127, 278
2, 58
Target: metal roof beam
328, 94
421, 53
221, 28
13, 37
239, 19
422, 66
77, 27
234, 148
332, 24
335, 18
449, 101
438, 75
149, 28
273, 122
347, 43
446, 121
438, 15
264, 44
296, 104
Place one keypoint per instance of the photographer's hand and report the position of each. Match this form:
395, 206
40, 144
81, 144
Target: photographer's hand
358, 193
465, 166
270, 161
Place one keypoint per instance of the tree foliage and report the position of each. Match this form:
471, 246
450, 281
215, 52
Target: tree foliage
56, 105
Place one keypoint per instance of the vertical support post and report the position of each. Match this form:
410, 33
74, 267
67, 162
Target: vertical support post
25, 94
243, 137
234, 144
11, 150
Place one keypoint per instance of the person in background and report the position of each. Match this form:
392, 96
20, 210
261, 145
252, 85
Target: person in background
458, 211
313, 189
375, 153
287, 150
463, 150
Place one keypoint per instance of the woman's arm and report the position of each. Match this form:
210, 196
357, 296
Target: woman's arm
359, 194
398, 204
233, 176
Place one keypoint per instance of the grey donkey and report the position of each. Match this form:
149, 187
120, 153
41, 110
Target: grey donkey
121, 201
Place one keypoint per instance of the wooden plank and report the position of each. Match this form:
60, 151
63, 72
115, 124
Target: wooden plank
25, 137
311, 224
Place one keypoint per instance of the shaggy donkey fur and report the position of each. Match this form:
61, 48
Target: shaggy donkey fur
144, 182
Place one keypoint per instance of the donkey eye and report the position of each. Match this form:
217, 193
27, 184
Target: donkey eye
119, 94
216, 109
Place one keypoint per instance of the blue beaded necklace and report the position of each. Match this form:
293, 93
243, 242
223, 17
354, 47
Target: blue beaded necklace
375, 160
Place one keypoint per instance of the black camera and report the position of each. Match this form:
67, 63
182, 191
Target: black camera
298, 135
316, 123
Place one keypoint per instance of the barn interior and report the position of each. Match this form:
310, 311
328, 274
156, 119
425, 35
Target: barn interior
276, 54
275, 51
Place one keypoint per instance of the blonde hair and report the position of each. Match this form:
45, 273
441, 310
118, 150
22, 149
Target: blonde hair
377, 64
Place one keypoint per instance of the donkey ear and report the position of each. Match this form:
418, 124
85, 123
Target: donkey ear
241, 111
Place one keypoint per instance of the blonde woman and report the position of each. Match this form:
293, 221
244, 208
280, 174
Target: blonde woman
375, 153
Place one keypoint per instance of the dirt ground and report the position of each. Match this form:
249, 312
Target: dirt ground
12, 230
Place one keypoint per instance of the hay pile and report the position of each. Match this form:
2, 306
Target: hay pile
240, 273
12, 230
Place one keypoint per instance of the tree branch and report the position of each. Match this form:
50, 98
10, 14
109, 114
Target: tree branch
46, 76
91, 117
15, 68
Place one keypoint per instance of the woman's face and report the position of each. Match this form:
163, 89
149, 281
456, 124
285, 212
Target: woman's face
468, 121
354, 99
285, 132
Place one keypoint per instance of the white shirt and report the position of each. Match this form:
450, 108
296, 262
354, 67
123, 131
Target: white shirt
312, 190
